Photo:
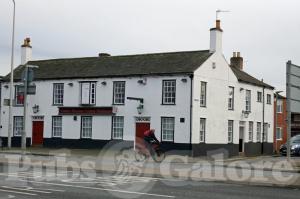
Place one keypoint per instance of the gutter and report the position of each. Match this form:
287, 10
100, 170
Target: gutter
191, 115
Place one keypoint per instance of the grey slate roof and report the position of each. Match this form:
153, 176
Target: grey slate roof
114, 66
128, 65
242, 76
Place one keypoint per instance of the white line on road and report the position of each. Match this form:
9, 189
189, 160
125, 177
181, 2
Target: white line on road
55, 190
102, 189
11, 191
27, 189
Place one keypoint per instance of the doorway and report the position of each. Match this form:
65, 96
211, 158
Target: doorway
37, 133
140, 128
241, 137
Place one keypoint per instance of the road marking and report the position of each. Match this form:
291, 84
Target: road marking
11, 191
102, 189
56, 190
22, 189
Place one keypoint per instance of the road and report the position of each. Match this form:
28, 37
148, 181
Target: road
45, 183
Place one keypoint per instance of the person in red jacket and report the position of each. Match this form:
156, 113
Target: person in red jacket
149, 136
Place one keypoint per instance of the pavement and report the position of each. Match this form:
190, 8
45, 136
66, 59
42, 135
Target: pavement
263, 170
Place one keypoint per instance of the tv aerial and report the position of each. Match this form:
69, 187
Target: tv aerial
219, 11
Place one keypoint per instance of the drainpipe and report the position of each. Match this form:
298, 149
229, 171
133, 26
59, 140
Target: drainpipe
263, 123
191, 115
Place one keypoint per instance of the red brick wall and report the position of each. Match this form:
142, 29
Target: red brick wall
281, 122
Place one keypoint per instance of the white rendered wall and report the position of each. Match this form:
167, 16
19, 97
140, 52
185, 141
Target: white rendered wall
216, 111
151, 92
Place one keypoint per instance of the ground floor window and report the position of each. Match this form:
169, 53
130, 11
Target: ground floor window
18, 125
279, 133
117, 127
86, 126
250, 131
230, 131
167, 129
202, 129
57, 126
258, 132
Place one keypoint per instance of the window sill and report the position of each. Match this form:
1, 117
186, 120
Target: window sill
118, 104
57, 104
165, 141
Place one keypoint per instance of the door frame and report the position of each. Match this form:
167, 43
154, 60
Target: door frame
37, 118
140, 119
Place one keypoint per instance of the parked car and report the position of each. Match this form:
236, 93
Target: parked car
295, 146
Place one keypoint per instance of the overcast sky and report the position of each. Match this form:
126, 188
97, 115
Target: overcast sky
266, 32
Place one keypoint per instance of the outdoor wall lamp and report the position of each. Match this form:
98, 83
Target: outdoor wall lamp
70, 84
140, 109
245, 113
6, 86
104, 83
36, 108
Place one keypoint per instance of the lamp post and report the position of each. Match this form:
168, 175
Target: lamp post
276, 100
10, 119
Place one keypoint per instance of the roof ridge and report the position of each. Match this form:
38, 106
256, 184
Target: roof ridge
142, 54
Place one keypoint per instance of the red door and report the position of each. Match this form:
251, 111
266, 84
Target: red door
139, 134
37, 132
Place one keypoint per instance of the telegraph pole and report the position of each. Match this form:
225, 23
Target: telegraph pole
23, 144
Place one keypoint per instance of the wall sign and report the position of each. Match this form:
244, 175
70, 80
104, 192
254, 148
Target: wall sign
86, 110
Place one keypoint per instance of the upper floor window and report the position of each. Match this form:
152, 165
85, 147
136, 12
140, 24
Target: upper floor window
269, 99
88, 93
248, 100
18, 125
231, 98
19, 95
250, 131
57, 126
230, 131
86, 126
58, 94
117, 127
202, 129
203, 94
169, 92
259, 96
119, 93
279, 106
167, 128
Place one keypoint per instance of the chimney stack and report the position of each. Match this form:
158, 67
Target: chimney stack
216, 38
237, 61
26, 51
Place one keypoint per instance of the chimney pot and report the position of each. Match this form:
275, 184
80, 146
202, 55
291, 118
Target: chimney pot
237, 61
218, 24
